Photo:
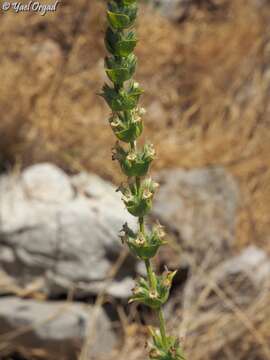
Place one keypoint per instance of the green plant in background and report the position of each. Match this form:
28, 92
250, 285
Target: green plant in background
122, 96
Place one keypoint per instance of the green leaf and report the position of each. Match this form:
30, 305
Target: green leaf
123, 100
121, 15
118, 76
143, 246
125, 47
130, 133
120, 44
118, 21
120, 70
129, 2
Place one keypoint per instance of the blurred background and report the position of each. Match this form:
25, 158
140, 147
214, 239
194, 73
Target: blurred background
64, 278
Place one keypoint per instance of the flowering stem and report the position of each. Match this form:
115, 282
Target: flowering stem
162, 327
141, 223
133, 145
138, 184
127, 124
150, 274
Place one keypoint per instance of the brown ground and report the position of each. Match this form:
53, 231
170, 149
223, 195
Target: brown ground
207, 90
207, 83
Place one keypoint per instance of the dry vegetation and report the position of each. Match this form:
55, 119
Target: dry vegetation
207, 83
207, 87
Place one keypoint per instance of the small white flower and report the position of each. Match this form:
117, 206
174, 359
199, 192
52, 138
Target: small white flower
131, 156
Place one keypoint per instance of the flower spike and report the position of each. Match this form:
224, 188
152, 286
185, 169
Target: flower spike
122, 95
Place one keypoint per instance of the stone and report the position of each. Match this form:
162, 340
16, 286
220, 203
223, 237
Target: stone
199, 208
47, 183
62, 231
251, 264
173, 9
58, 328
226, 306
242, 277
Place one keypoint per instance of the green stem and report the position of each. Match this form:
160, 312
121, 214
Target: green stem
138, 183
162, 327
141, 223
150, 274
133, 145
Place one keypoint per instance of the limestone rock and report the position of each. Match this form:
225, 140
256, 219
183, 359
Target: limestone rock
241, 277
62, 231
58, 328
225, 306
199, 208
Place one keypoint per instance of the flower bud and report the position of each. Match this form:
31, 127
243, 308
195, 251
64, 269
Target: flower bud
143, 246
142, 111
127, 126
154, 298
135, 163
135, 199
160, 351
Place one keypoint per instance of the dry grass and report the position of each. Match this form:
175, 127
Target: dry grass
228, 321
207, 84
207, 87
231, 335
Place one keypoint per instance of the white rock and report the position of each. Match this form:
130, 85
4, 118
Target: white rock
199, 207
63, 230
59, 328
244, 276
46, 183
